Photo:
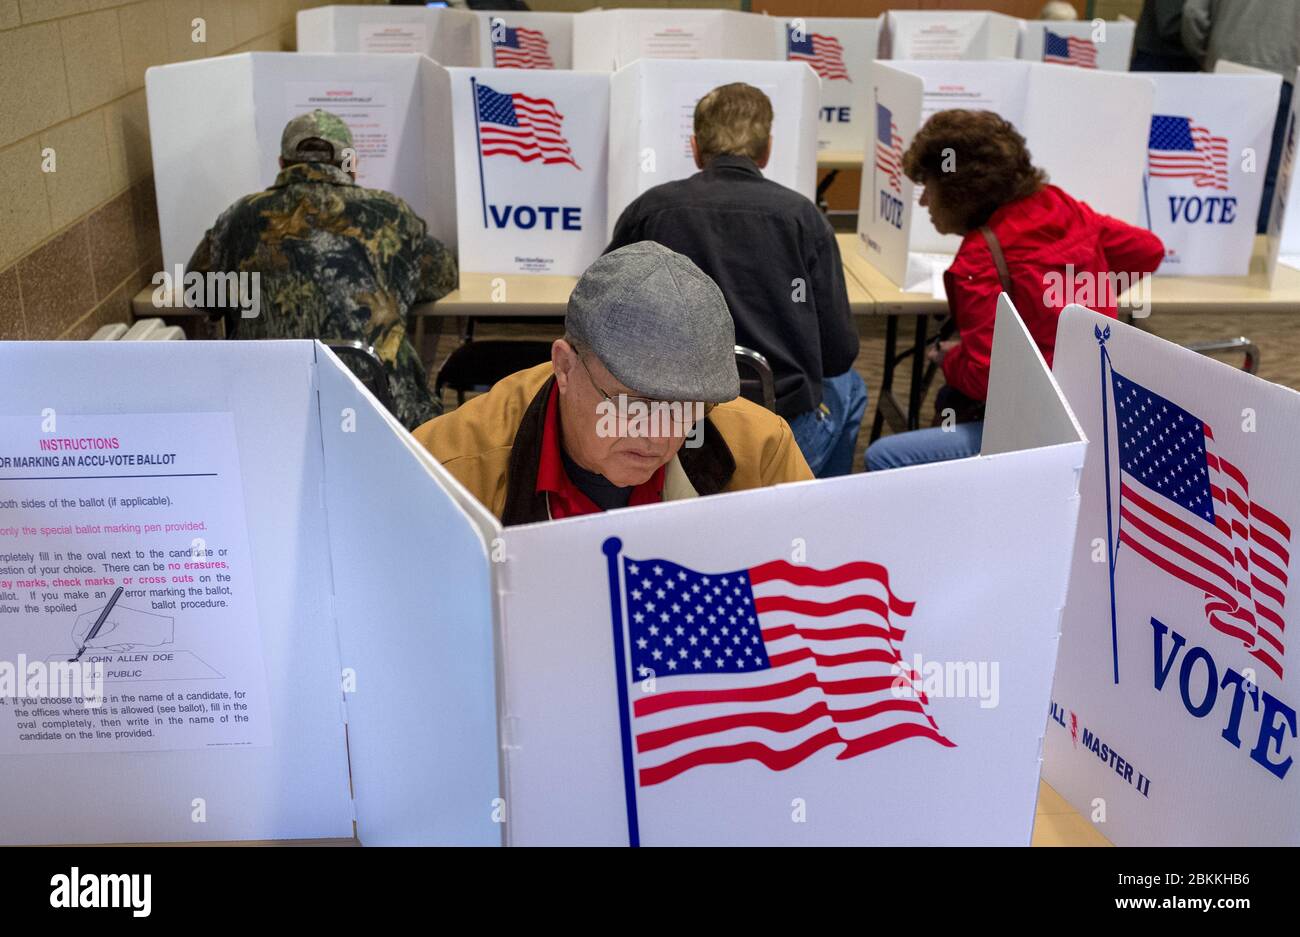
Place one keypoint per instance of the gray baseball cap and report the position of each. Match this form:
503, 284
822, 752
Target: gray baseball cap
658, 323
317, 124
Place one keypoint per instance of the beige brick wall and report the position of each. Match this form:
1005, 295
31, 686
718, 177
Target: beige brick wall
77, 243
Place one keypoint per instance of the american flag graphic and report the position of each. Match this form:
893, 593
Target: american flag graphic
768, 664
1180, 149
1188, 511
517, 47
889, 148
823, 53
1067, 50
523, 127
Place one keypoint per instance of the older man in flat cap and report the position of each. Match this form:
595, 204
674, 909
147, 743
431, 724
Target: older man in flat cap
638, 404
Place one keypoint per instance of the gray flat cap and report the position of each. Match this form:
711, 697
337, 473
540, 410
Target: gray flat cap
658, 323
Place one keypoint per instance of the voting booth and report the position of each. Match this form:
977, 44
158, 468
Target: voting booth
948, 34
607, 40
1284, 217
840, 51
397, 107
272, 529
1102, 44
1087, 129
1173, 718
510, 39
652, 110
449, 37
531, 169
544, 683
1207, 154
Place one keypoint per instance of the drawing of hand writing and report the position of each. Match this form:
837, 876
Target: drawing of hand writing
123, 629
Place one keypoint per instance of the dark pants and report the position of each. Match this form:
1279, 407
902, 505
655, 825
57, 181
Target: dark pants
1274, 157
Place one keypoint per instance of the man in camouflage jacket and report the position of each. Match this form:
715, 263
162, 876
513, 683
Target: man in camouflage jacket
335, 261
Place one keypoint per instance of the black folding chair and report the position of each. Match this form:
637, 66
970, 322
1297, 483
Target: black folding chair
760, 385
362, 361
476, 366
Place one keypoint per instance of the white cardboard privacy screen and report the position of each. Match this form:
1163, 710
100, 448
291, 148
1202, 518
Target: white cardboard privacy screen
1208, 149
839, 50
1102, 44
531, 169
397, 106
652, 106
607, 40
697, 782
1021, 391
449, 37
509, 39
888, 200
1284, 216
948, 34
1177, 683
364, 563
1056, 109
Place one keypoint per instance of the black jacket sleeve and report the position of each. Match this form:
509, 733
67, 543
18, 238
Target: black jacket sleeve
839, 333
627, 230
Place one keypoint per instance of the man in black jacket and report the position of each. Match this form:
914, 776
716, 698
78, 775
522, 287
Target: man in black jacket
774, 256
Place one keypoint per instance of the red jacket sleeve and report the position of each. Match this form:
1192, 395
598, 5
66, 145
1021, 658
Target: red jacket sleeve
1129, 249
973, 300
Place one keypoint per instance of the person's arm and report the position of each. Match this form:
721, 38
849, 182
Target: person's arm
627, 230
786, 462
839, 333
974, 302
1195, 29
201, 259
435, 267
1128, 248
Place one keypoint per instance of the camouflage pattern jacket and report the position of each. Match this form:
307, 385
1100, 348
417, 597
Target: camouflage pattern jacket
335, 261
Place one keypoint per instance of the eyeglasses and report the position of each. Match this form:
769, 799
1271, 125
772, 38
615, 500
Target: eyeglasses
675, 408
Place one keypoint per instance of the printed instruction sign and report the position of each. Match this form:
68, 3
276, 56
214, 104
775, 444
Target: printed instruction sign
392, 37
123, 543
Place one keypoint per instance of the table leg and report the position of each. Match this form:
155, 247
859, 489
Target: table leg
887, 378
916, 390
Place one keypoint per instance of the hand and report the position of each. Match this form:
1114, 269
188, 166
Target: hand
936, 353
124, 629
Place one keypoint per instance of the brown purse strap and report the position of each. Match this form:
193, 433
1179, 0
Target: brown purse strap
999, 260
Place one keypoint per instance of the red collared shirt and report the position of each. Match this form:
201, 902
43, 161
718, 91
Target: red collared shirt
563, 497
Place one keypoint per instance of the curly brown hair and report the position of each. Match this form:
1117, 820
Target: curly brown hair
972, 163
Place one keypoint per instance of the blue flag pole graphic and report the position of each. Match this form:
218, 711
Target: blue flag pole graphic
875, 189
1101, 337
611, 547
478, 142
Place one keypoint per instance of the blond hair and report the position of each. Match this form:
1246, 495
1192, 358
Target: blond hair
733, 120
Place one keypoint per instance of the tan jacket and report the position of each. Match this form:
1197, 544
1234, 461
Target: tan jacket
492, 445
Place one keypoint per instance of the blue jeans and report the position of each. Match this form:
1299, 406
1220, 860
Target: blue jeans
925, 445
828, 434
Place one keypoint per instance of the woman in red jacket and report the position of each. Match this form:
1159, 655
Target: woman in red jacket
980, 183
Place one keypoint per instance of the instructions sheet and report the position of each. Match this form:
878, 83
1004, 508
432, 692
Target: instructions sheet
671, 42
392, 37
124, 548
